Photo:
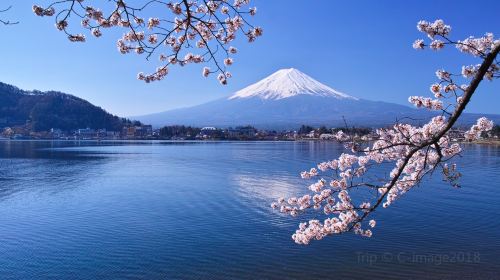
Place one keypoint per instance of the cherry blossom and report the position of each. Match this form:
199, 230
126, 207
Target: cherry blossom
429, 103
419, 44
432, 29
413, 151
474, 133
191, 32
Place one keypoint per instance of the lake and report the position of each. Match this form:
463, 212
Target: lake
200, 210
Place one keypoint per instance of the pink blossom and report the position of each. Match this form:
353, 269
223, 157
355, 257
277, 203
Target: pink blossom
372, 223
418, 44
192, 24
436, 45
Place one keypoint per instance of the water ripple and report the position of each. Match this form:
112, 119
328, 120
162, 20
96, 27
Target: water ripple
193, 210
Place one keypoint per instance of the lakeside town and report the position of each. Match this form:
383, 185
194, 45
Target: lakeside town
138, 131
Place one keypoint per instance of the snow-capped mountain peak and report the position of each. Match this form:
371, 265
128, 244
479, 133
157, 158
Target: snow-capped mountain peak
287, 83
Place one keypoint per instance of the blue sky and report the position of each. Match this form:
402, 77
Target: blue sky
362, 48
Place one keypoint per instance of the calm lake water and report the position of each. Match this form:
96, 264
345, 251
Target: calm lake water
198, 210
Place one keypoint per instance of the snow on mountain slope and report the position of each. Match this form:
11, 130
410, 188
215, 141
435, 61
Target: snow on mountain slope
287, 83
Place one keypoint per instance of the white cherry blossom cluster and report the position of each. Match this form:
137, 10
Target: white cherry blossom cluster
188, 31
474, 133
438, 33
468, 71
478, 46
437, 28
413, 151
429, 103
432, 29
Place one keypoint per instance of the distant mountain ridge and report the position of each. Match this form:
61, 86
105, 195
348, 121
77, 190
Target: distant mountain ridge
289, 98
52, 109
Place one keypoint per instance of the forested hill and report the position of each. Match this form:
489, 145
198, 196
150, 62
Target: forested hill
45, 110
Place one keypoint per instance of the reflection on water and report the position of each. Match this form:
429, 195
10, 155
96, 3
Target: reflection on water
263, 189
198, 210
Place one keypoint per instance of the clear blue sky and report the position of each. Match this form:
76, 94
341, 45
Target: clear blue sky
362, 48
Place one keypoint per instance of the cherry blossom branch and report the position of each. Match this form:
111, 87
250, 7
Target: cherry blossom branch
417, 152
208, 26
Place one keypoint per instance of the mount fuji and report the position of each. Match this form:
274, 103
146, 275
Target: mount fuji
287, 99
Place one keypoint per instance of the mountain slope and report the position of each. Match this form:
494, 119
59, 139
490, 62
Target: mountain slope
288, 113
45, 110
288, 99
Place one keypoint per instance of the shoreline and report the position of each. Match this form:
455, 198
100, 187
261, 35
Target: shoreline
477, 142
482, 142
